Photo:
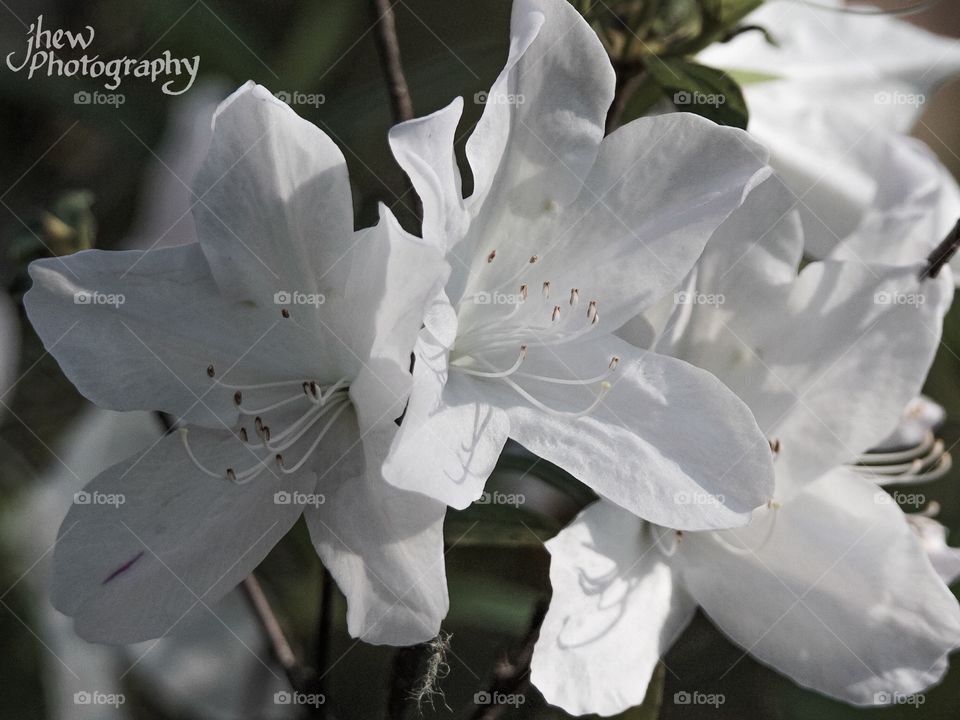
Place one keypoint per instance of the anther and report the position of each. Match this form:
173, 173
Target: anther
231, 475
679, 535
210, 371
546, 289
523, 291
592, 314
491, 256
534, 258
574, 297
258, 425
313, 388
613, 362
285, 312
775, 445
243, 434
266, 433
556, 313
280, 461
237, 397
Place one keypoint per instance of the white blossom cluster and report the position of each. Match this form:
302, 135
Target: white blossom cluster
738, 444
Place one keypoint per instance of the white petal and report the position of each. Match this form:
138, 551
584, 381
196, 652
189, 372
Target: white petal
545, 113
383, 546
273, 207
151, 348
668, 442
839, 596
423, 147
741, 281
179, 540
616, 609
843, 53
659, 188
450, 437
809, 370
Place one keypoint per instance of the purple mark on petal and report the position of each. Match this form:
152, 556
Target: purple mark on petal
123, 568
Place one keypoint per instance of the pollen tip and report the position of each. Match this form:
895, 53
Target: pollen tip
605, 385
183, 431
285, 312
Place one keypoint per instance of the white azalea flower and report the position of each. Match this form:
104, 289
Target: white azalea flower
565, 234
832, 103
828, 584
289, 408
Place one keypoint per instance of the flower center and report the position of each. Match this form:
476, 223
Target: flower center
494, 323
323, 404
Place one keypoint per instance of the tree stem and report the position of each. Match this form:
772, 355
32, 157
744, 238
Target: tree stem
942, 253
388, 47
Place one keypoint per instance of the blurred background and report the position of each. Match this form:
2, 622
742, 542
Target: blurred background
75, 175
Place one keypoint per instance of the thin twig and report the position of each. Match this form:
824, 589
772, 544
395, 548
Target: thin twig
942, 253
296, 674
388, 47
512, 678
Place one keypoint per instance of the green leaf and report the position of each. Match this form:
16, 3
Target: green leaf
700, 89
